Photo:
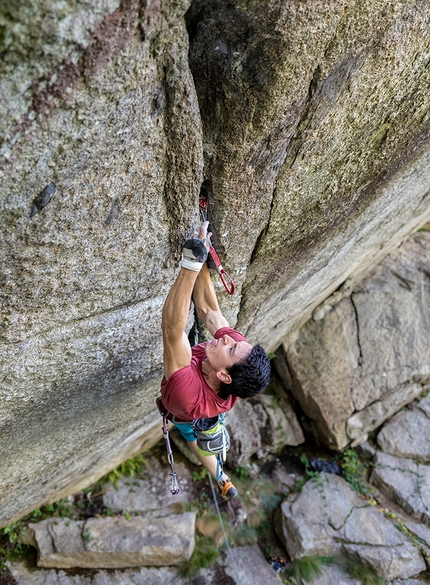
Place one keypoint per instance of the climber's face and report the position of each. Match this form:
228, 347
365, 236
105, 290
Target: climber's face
224, 352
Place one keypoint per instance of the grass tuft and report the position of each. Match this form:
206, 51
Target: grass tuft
305, 570
204, 555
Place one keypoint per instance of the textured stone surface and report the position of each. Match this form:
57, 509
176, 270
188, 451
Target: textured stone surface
334, 575
312, 121
262, 425
115, 542
23, 576
389, 562
408, 433
152, 493
359, 361
248, 565
305, 140
142, 576
406, 482
102, 108
406, 582
327, 517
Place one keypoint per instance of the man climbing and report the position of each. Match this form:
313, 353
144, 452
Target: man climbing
206, 380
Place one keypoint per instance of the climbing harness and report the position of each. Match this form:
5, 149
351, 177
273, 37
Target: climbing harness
225, 278
213, 439
164, 413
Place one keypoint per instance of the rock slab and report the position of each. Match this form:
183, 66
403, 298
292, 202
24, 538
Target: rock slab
141, 576
248, 565
408, 433
115, 542
328, 517
405, 482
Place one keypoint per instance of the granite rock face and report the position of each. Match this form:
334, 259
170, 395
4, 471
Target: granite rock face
308, 129
361, 359
309, 123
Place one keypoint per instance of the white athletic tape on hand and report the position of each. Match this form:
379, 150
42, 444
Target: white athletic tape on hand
191, 264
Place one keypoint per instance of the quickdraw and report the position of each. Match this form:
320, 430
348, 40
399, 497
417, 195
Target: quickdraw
164, 413
225, 278
174, 488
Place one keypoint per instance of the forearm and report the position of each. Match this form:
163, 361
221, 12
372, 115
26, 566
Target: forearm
177, 304
206, 303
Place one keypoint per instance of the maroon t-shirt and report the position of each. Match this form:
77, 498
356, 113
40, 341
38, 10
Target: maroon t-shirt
187, 395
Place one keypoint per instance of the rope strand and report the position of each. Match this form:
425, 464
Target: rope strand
223, 529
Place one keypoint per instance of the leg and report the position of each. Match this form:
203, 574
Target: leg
209, 462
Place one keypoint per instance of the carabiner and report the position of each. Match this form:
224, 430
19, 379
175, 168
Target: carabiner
224, 277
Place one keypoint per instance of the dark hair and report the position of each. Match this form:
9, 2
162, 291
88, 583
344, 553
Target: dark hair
248, 377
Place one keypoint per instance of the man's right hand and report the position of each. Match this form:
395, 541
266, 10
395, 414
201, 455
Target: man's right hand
195, 250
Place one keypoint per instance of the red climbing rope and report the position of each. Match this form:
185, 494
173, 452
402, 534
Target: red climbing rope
225, 278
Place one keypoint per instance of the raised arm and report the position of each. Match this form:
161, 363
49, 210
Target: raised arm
177, 349
206, 303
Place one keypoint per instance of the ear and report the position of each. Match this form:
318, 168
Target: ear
223, 377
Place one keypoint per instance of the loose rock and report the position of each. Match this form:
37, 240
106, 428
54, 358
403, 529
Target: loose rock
388, 562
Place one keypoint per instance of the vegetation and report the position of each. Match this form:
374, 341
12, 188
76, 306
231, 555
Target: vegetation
81, 506
303, 571
204, 555
129, 468
355, 472
364, 574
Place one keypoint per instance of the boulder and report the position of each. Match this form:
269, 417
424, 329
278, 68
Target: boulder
115, 542
407, 435
353, 365
327, 517
246, 564
405, 482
